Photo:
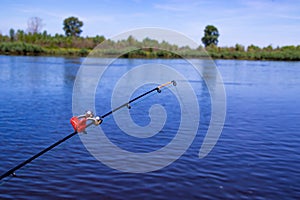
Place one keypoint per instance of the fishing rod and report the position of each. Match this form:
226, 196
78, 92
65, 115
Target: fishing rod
79, 124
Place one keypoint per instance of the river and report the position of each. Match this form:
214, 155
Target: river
256, 157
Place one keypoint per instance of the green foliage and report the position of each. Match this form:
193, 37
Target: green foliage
98, 39
268, 48
12, 34
20, 48
21, 43
72, 26
20, 35
239, 47
253, 48
291, 53
211, 35
150, 53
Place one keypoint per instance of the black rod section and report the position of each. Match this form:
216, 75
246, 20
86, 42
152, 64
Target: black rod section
126, 104
11, 171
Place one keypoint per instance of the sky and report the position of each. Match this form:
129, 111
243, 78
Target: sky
258, 22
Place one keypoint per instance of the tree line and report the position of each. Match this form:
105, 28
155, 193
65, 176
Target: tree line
33, 41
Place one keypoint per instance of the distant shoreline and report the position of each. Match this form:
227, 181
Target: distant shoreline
290, 53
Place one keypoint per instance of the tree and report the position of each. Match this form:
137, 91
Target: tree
131, 40
98, 39
253, 48
1, 37
211, 35
268, 48
34, 25
20, 35
12, 34
239, 47
72, 26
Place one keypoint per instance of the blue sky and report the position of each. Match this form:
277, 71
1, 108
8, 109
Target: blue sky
259, 22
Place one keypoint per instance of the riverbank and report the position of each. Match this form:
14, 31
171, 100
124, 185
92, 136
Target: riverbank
287, 53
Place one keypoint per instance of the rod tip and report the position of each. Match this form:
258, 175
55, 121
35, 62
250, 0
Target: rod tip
174, 83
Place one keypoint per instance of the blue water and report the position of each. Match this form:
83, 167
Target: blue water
256, 157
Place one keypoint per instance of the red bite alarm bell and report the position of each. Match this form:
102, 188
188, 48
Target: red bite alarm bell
79, 125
